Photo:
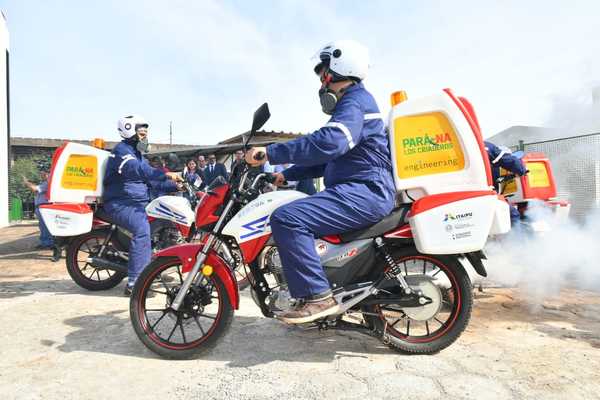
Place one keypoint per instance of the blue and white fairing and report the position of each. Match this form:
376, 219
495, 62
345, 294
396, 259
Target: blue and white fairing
172, 208
252, 222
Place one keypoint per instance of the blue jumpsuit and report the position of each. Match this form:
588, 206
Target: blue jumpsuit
502, 158
125, 198
351, 152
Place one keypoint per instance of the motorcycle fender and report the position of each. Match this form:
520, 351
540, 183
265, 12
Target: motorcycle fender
475, 260
187, 254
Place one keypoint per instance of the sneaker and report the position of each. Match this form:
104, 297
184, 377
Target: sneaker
127, 291
310, 310
56, 254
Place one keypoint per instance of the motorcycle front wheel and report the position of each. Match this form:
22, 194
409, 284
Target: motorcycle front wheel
198, 325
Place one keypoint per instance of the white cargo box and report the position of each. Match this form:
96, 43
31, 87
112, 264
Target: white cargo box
67, 219
437, 147
77, 174
457, 222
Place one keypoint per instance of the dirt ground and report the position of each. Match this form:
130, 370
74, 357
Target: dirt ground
58, 341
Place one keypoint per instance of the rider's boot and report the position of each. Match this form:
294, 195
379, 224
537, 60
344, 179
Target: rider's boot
310, 309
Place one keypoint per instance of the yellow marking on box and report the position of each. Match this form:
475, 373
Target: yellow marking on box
538, 174
510, 186
426, 144
80, 173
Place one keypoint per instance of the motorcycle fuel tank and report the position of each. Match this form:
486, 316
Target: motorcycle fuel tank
252, 222
172, 208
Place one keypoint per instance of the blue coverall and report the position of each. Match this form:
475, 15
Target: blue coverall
125, 198
352, 153
503, 158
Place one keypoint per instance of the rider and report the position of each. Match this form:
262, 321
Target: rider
351, 151
125, 197
501, 157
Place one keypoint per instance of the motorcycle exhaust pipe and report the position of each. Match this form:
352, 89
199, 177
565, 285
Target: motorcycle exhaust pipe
102, 263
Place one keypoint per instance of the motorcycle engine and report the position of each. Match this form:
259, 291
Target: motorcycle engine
270, 263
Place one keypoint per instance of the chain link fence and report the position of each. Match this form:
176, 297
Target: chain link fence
576, 167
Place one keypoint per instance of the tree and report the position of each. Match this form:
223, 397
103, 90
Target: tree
28, 167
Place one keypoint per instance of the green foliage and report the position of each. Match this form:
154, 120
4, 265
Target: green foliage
28, 167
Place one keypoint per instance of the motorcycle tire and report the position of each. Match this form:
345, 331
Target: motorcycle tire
145, 328
459, 311
82, 276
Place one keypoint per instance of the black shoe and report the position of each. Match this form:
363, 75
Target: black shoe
56, 253
127, 291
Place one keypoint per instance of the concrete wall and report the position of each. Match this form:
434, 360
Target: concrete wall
4, 121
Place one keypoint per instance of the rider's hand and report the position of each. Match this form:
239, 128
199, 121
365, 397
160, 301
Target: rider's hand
174, 176
279, 179
251, 156
180, 187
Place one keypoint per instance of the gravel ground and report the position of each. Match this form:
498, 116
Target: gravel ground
58, 341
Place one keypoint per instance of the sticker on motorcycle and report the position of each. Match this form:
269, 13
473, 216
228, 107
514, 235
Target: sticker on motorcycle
321, 248
350, 253
256, 227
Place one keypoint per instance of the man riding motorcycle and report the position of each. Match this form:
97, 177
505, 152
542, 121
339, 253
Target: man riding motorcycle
503, 158
126, 181
351, 152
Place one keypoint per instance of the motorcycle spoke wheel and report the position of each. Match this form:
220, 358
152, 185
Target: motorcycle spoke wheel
421, 328
195, 320
82, 272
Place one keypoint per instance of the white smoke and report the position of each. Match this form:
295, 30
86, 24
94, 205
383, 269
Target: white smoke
566, 254
541, 263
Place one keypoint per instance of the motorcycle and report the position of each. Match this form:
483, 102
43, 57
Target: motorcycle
534, 194
97, 260
414, 303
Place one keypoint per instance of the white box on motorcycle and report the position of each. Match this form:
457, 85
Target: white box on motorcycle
441, 166
76, 177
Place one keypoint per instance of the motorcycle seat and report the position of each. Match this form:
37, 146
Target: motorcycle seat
104, 216
397, 217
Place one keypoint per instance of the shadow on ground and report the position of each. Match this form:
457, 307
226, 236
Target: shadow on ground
13, 289
250, 341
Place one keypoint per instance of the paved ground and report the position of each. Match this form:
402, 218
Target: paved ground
58, 341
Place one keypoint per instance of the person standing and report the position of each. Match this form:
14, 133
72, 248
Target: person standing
41, 197
214, 170
191, 174
238, 158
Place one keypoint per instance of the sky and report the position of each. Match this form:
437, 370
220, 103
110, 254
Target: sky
77, 66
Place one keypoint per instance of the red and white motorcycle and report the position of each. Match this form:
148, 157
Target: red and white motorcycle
97, 260
413, 302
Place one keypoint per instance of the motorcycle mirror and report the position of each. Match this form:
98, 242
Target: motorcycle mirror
261, 116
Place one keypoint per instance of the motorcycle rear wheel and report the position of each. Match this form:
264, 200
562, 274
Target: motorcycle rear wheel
420, 330
84, 274
206, 311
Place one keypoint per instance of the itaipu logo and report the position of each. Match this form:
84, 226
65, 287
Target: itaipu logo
457, 217
87, 172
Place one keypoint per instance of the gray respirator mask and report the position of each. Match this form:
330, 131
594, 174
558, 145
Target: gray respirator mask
328, 100
142, 145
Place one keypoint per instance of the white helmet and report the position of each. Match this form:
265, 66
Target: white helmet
344, 58
129, 124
